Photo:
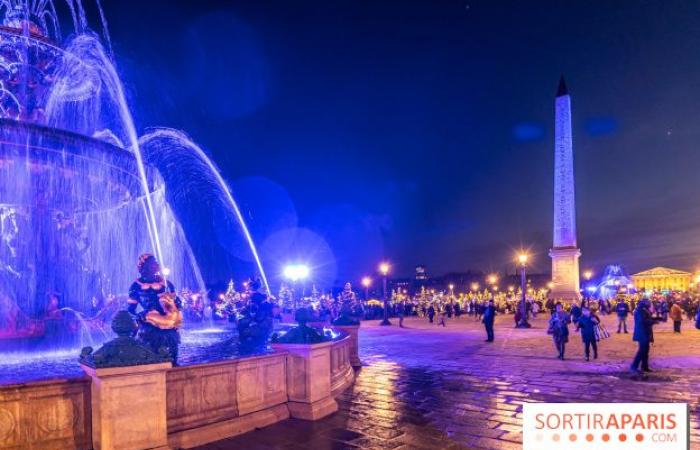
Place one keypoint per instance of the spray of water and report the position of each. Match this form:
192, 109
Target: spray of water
174, 146
88, 90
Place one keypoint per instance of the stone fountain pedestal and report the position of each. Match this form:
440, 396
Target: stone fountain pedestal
129, 407
309, 379
353, 332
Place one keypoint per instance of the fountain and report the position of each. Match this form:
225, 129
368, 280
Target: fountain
81, 195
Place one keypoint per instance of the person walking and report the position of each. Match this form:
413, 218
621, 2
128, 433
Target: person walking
488, 320
400, 311
559, 329
643, 336
676, 315
443, 316
480, 310
622, 310
587, 324
431, 313
575, 312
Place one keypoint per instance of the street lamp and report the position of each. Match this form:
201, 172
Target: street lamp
366, 282
522, 259
295, 273
475, 287
384, 270
452, 290
492, 279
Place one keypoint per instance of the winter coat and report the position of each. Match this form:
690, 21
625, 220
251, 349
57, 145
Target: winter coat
676, 313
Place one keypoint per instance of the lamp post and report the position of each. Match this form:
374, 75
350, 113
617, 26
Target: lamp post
384, 270
587, 275
522, 262
452, 290
366, 282
295, 273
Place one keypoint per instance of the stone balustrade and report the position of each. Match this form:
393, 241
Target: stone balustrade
46, 415
155, 406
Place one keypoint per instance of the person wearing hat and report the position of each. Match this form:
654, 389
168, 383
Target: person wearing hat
643, 335
161, 314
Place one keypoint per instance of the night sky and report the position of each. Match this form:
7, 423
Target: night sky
422, 131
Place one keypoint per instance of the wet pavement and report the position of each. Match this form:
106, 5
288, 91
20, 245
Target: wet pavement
445, 388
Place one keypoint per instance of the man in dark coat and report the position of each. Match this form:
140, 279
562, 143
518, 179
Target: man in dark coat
622, 311
431, 313
643, 335
575, 312
559, 329
489, 317
587, 323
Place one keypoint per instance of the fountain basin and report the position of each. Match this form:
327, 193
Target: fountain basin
203, 402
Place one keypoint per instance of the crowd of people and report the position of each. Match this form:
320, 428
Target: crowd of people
637, 313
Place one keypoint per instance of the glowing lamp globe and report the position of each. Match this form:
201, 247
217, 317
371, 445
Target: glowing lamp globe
522, 258
384, 268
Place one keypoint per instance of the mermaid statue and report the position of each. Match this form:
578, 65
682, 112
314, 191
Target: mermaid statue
161, 314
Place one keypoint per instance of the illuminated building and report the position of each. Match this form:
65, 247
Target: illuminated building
663, 278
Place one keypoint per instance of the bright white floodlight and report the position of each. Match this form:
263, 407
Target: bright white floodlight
296, 272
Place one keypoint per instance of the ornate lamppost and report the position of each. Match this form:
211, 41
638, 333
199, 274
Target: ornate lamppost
384, 270
366, 282
522, 262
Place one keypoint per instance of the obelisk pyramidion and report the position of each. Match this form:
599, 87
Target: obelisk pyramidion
564, 252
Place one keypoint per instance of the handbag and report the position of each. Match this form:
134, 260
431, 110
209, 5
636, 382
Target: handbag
601, 332
550, 330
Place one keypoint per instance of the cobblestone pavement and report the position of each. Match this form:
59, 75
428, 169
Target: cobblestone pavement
431, 387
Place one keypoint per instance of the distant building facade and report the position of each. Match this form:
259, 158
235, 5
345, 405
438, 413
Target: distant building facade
663, 278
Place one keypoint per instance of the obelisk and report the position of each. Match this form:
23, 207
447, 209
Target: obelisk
565, 251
